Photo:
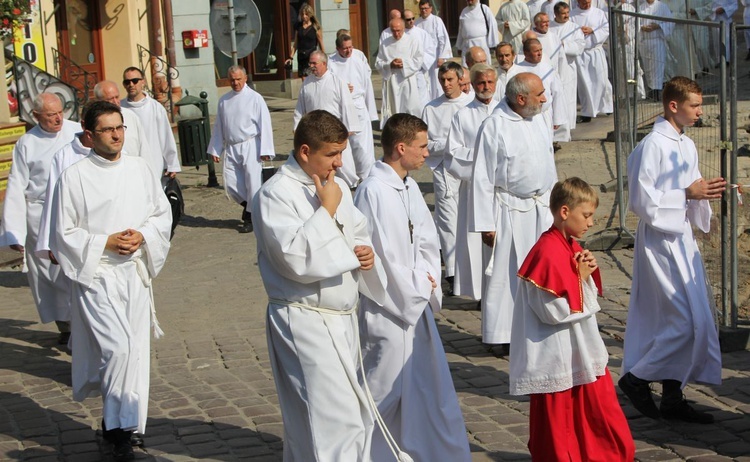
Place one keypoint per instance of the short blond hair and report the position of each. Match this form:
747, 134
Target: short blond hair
572, 192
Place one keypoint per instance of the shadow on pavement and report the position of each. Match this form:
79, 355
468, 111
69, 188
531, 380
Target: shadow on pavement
202, 222
13, 279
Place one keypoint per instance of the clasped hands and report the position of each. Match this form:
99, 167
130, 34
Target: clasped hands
125, 242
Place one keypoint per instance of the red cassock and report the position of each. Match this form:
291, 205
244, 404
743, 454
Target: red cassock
584, 423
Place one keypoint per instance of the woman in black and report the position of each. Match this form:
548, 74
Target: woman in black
308, 38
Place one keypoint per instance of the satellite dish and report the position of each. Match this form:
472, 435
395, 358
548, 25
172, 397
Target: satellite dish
247, 26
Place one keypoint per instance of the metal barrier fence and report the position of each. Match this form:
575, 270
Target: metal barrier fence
642, 58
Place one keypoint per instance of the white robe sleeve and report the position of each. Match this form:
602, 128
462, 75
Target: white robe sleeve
382, 63
142, 140
216, 144
372, 109
167, 142
14, 208
490, 159
408, 287
265, 130
556, 310
77, 250
493, 36
521, 25
348, 110
156, 230
662, 210
559, 103
299, 109
413, 63
458, 157
575, 44
42, 243
601, 31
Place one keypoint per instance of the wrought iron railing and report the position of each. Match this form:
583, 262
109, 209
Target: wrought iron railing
161, 75
29, 81
74, 75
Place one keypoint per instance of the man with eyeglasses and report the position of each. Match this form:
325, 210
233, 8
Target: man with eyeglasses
110, 233
155, 123
24, 201
135, 143
435, 28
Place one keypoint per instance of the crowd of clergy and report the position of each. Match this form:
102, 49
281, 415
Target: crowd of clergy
351, 257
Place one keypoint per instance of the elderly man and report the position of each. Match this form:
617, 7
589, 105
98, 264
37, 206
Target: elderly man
475, 55
476, 28
513, 19
136, 143
471, 256
399, 61
437, 115
155, 122
554, 110
428, 49
551, 45
357, 75
573, 43
594, 88
24, 201
514, 171
507, 68
244, 134
325, 90
435, 28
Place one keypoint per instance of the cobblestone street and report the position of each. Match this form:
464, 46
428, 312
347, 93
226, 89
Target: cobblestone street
212, 393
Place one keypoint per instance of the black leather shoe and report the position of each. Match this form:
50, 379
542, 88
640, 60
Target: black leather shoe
247, 227
136, 439
685, 412
122, 451
63, 338
639, 393
583, 120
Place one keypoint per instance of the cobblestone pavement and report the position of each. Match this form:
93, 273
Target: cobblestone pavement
212, 394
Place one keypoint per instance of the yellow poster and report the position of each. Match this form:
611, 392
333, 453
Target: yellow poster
29, 41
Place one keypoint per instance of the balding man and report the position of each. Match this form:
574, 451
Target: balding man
24, 202
471, 256
393, 14
324, 90
136, 143
475, 55
243, 133
513, 174
400, 61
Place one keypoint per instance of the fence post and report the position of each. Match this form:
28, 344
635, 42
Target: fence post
733, 173
724, 173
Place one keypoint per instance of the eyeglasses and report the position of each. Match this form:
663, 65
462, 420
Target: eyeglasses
409, 19
125, 82
111, 130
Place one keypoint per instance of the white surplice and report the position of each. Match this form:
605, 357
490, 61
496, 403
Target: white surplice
331, 94
514, 171
594, 88
670, 332
472, 255
242, 132
112, 299
652, 46
162, 154
136, 143
437, 115
502, 80
308, 263
400, 86
680, 60
355, 72
404, 361
553, 349
516, 14
22, 214
477, 28
573, 43
435, 28
64, 158
554, 110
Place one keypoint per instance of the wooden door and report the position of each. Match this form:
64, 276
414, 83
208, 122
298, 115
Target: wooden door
79, 42
358, 25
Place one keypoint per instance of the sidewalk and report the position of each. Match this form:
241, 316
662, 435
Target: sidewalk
212, 394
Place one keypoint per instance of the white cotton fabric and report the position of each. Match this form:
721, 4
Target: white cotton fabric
594, 88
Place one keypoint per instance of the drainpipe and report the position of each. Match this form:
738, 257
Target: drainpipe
169, 42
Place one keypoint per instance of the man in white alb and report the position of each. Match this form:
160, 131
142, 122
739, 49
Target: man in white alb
573, 43
243, 134
404, 361
652, 44
506, 68
24, 201
513, 19
437, 114
551, 45
514, 171
325, 90
435, 28
315, 257
111, 223
428, 50
400, 61
155, 122
594, 88
476, 27
471, 255
357, 76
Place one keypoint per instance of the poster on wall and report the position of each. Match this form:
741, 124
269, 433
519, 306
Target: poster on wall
28, 41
